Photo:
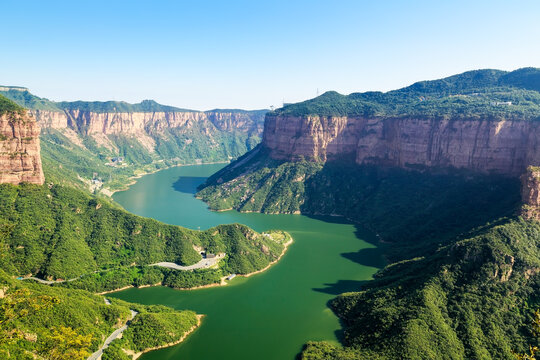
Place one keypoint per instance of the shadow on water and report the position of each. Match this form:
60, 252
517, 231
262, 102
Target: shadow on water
188, 184
342, 286
372, 257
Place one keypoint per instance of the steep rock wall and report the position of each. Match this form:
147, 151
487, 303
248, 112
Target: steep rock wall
502, 147
89, 123
530, 193
20, 159
149, 127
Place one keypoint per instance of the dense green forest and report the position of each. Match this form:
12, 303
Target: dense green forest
39, 321
60, 232
463, 276
479, 93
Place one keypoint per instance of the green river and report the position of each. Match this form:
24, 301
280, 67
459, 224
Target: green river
269, 315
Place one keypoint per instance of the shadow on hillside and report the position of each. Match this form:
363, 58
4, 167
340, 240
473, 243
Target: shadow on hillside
188, 184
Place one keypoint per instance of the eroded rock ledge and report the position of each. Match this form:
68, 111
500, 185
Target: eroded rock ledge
20, 159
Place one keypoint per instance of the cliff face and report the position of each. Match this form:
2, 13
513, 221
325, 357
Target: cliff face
20, 159
89, 123
530, 193
502, 147
149, 127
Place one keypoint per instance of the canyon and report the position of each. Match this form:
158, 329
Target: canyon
99, 146
146, 126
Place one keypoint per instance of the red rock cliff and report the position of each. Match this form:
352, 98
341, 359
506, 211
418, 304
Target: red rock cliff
20, 159
503, 147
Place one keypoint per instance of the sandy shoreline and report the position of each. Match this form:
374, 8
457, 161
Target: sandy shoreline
128, 287
137, 355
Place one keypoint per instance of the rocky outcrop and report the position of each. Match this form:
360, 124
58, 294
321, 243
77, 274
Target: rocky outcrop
502, 147
530, 193
20, 159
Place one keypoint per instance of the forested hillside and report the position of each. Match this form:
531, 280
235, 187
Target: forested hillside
472, 299
463, 96
61, 233
39, 321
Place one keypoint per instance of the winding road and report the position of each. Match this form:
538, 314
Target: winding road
203, 264
111, 338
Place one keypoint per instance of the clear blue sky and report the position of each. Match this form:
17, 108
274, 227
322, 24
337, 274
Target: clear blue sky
253, 54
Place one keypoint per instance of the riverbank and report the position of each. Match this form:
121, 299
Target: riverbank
128, 287
285, 247
186, 334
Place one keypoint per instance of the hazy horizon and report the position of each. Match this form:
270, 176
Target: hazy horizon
221, 55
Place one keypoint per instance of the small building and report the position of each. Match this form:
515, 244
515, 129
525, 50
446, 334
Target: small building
210, 256
498, 103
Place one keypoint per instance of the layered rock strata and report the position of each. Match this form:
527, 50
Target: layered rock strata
20, 159
501, 147
91, 123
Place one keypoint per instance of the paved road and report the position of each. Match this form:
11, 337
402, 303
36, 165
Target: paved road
203, 264
49, 282
111, 338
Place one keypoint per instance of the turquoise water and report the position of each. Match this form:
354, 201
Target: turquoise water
269, 315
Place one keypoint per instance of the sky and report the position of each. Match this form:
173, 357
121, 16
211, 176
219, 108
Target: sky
253, 54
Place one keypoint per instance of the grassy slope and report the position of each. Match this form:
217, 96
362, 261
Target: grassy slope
7, 106
65, 162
